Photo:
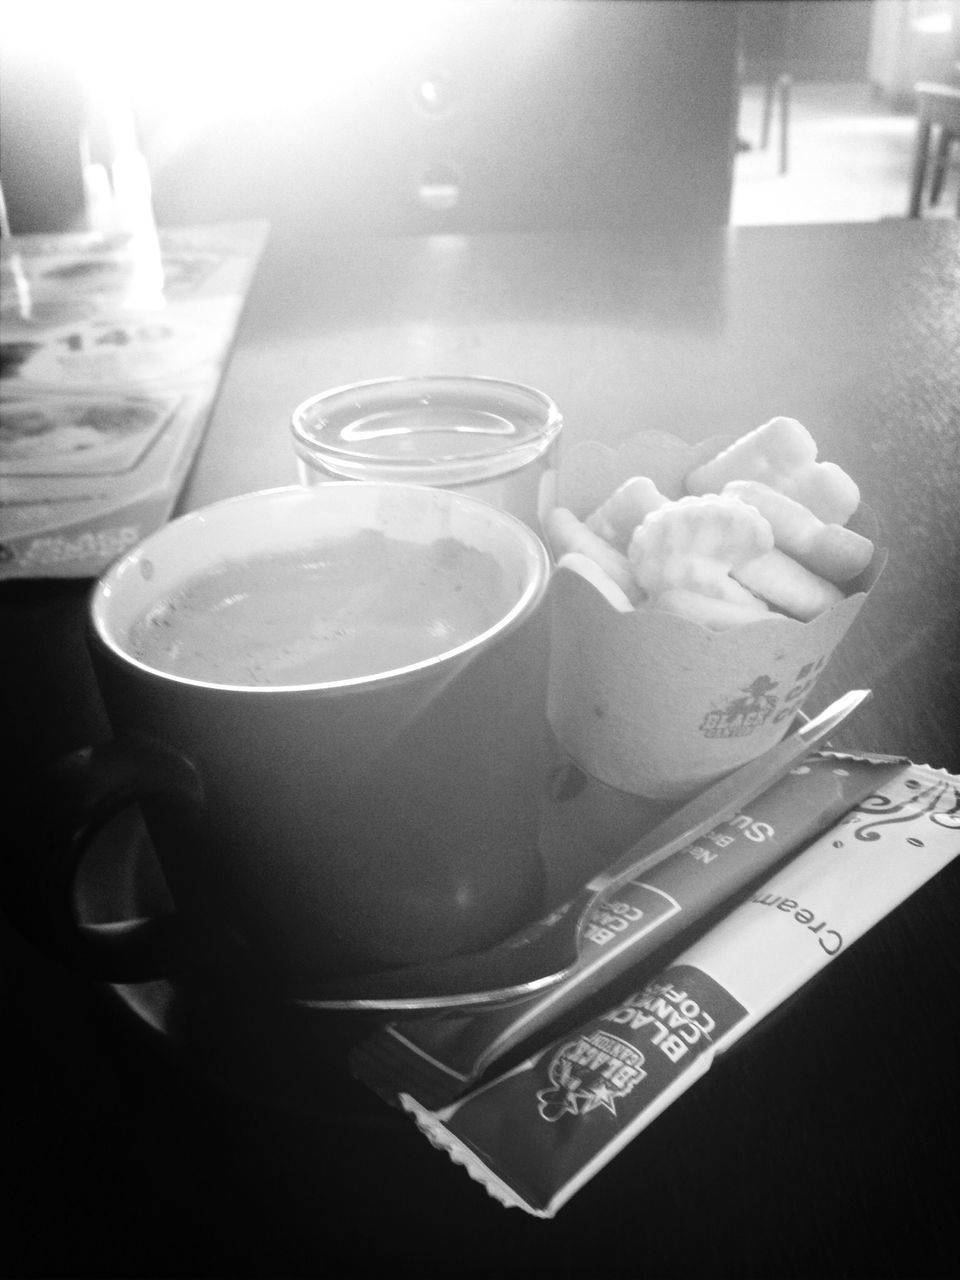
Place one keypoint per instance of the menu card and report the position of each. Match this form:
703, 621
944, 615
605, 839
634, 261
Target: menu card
111, 353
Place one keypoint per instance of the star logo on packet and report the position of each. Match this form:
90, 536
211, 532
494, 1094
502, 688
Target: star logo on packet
590, 1072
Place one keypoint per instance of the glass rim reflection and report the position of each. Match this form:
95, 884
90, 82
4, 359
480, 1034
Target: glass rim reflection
491, 406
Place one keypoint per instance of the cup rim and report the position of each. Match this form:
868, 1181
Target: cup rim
111, 582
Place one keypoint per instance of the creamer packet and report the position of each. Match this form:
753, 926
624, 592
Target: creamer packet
535, 1135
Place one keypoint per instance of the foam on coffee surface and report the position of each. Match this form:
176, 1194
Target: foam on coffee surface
345, 609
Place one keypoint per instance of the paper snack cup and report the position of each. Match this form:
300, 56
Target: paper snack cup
653, 703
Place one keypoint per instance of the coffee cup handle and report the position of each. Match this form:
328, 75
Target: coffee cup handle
80, 794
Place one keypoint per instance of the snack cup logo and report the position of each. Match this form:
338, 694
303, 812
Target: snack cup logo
757, 703
741, 715
592, 1071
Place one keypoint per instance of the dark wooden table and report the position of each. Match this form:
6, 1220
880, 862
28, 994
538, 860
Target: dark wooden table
824, 1144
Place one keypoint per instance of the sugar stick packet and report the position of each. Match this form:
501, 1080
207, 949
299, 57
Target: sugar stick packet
440, 1056
535, 1135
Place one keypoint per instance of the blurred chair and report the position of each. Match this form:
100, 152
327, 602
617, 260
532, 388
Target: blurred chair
765, 58
938, 134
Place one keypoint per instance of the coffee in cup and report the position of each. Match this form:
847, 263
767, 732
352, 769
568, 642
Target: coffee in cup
346, 608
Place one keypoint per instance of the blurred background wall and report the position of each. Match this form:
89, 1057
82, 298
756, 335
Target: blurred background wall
355, 116
410, 116
520, 114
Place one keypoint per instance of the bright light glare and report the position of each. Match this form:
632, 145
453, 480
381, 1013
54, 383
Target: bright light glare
211, 59
933, 24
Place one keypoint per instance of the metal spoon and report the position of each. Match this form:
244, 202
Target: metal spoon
543, 952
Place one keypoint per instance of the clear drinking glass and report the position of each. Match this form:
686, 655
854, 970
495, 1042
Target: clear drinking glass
493, 439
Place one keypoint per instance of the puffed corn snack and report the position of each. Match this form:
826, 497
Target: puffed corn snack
763, 528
